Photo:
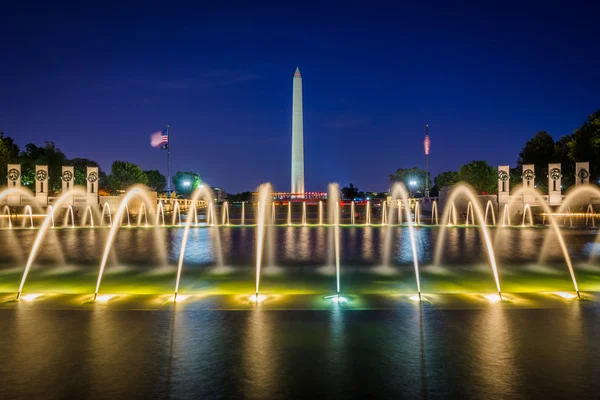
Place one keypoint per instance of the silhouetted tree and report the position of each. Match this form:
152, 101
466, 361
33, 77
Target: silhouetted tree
480, 175
444, 179
125, 174
9, 153
350, 192
156, 180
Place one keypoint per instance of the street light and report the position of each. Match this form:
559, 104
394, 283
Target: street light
413, 183
187, 183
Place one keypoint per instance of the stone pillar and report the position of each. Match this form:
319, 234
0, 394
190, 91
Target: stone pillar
582, 173
68, 178
503, 184
554, 182
14, 181
92, 185
528, 182
41, 184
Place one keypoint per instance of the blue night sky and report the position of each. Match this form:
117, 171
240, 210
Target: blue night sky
99, 81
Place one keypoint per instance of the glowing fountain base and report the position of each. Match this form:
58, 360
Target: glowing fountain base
31, 296
104, 298
566, 295
494, 298
336, 298
257, 298
178, 298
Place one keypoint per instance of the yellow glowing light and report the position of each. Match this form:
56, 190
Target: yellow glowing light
257, 298
31, 296
565, 295
104, 298
180, 297
493, 298
416, 298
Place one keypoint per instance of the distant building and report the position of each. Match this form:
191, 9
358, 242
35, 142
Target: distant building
220, 195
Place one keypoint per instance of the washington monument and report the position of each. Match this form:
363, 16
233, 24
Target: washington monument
297, 136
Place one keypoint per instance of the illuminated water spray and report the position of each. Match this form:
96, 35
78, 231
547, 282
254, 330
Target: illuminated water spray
136, 191
106, 211
527, 213
44, 229
434, 213
264, 197
490, 208
304, 213
201, 191
397, 193
467, 191
334, 222
28, 213
320, 212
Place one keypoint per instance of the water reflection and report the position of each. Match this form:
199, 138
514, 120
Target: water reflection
261, 356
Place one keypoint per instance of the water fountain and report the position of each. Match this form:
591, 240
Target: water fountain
434, 213
28, 213
142, 213
264, 197
205, 192
590, 214
418, 213
489, 207
160, 214
8, 216
68, 214
149, 214
400, 207
106, 211
466, 191
527, 212
470, 211
399, 192
176, 213
303, 213
583, 192
506, 215
320, 212
225, 214
243, 219
334, 222
135, 192
526, 191
44, 229
451, 219
88, 211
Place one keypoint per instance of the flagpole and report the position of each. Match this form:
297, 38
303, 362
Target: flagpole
168, 163
427, 163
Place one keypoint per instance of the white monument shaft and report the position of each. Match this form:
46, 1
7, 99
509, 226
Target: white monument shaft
297, 137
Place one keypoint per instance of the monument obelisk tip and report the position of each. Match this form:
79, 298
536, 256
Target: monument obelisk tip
297, 72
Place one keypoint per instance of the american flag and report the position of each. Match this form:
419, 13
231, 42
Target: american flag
160, 139
427, 144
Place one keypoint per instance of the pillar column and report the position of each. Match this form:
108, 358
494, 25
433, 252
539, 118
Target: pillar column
92, 185
68, 178
41, 184
554, 182
14, 181
582, 173
503, 185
